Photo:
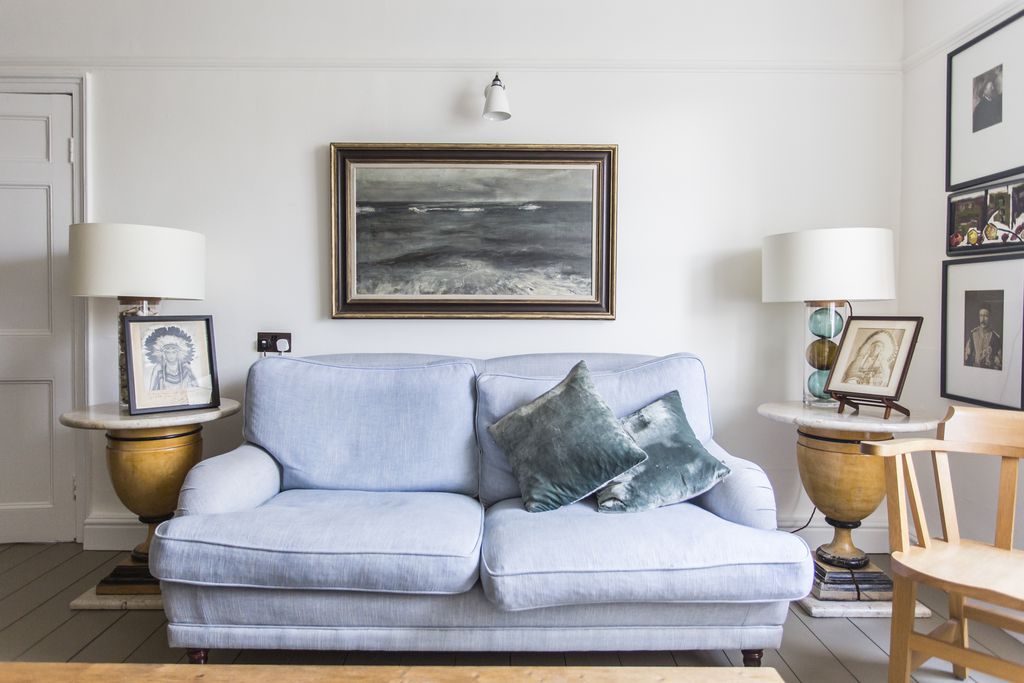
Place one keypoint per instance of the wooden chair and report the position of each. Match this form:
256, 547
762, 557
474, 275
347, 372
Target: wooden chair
970, 572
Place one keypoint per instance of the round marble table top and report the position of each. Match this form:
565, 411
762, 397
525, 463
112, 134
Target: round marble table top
868, 419
112, 416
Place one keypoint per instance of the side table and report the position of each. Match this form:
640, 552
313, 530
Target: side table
148, 457
845, 485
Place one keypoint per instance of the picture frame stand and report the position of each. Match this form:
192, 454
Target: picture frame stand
887, 403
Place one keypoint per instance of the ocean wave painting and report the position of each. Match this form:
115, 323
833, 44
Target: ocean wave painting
474, 231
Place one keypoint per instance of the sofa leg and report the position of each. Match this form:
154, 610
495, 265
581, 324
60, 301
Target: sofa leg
197, 656
752, 657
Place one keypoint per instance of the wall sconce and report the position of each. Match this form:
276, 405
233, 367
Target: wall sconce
496, 102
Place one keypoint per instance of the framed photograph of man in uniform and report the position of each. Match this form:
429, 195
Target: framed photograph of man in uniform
872, 361
982, 325
171, 363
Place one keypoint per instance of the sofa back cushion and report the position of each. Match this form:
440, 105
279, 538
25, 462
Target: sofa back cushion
373, 423
626, 382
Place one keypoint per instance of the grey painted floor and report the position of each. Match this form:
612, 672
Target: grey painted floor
37, 581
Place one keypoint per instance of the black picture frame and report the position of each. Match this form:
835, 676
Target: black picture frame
977, 223
983, 371
473, 230
171, 363
982, 147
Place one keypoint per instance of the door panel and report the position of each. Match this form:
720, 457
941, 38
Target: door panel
36, 453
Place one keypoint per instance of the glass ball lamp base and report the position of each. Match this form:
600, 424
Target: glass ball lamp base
823, 325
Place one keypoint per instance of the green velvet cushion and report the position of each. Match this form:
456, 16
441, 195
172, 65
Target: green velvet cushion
678, 469
565, 444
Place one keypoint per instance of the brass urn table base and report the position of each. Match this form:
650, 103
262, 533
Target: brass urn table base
148, 457
847, 486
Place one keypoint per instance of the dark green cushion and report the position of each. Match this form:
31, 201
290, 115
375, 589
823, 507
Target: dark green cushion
678, 469
565, 444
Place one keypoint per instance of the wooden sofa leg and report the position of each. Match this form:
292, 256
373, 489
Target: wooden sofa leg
196, 656
752, 657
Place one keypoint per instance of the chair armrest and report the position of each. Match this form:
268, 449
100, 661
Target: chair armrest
895, 447
744, 497
237, 480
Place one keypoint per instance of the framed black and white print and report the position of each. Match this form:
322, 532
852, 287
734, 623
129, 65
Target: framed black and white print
473, 231
985, 107
874, 356
986, 219
982, 326
171, 363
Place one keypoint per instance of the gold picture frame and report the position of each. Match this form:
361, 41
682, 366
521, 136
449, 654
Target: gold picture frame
473, 231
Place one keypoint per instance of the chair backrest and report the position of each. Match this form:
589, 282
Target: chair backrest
981, 431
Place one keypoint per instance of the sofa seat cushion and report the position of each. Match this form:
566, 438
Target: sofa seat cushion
392, 542
679, 553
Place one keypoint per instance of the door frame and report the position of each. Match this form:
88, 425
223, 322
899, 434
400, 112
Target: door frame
77, 86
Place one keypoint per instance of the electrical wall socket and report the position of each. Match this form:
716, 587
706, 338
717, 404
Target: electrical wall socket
267, 342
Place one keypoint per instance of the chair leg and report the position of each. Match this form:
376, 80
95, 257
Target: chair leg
904, 598
956, 611
752, 657
197, 656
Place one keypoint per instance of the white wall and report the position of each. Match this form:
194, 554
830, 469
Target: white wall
734, 119
933, 29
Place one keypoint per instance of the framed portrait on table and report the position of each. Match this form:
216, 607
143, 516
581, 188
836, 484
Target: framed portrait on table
171, 363
985, 107
872, 361
982, 325
473, 231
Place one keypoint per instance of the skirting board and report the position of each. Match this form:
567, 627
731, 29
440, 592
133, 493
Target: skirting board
112, 532
870, 539
855, 608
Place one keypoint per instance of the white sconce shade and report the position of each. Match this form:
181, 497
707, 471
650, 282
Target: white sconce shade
496, 101
855, 264
137, 261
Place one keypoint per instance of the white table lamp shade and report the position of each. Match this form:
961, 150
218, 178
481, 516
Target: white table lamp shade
137, 261
855, 264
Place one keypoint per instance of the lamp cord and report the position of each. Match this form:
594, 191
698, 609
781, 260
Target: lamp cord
793, 531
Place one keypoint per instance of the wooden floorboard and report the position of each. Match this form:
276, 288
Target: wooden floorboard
808, 657
33, 567
37, 581
18, 553
38, 622
127, 634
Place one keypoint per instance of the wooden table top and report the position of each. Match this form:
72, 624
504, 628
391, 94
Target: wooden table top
26, 672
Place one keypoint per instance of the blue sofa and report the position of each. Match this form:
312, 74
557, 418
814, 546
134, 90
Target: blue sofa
370, 509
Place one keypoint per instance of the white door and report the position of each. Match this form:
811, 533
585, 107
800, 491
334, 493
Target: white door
37, 461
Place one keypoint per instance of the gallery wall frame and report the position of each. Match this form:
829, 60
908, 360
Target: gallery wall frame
172, 363
982, 329
986, 219
984, 125
473, 230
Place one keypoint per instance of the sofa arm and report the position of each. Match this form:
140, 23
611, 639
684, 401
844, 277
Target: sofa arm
745, 496
237, 480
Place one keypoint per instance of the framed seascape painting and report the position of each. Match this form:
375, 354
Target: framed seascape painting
986, 219
985, 107
873, 358
171, 363
982, 325
473, 231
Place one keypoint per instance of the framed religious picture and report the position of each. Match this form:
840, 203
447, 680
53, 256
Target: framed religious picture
171, 363
872, 361
985, 107
986, 219
473, 231
982, 324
